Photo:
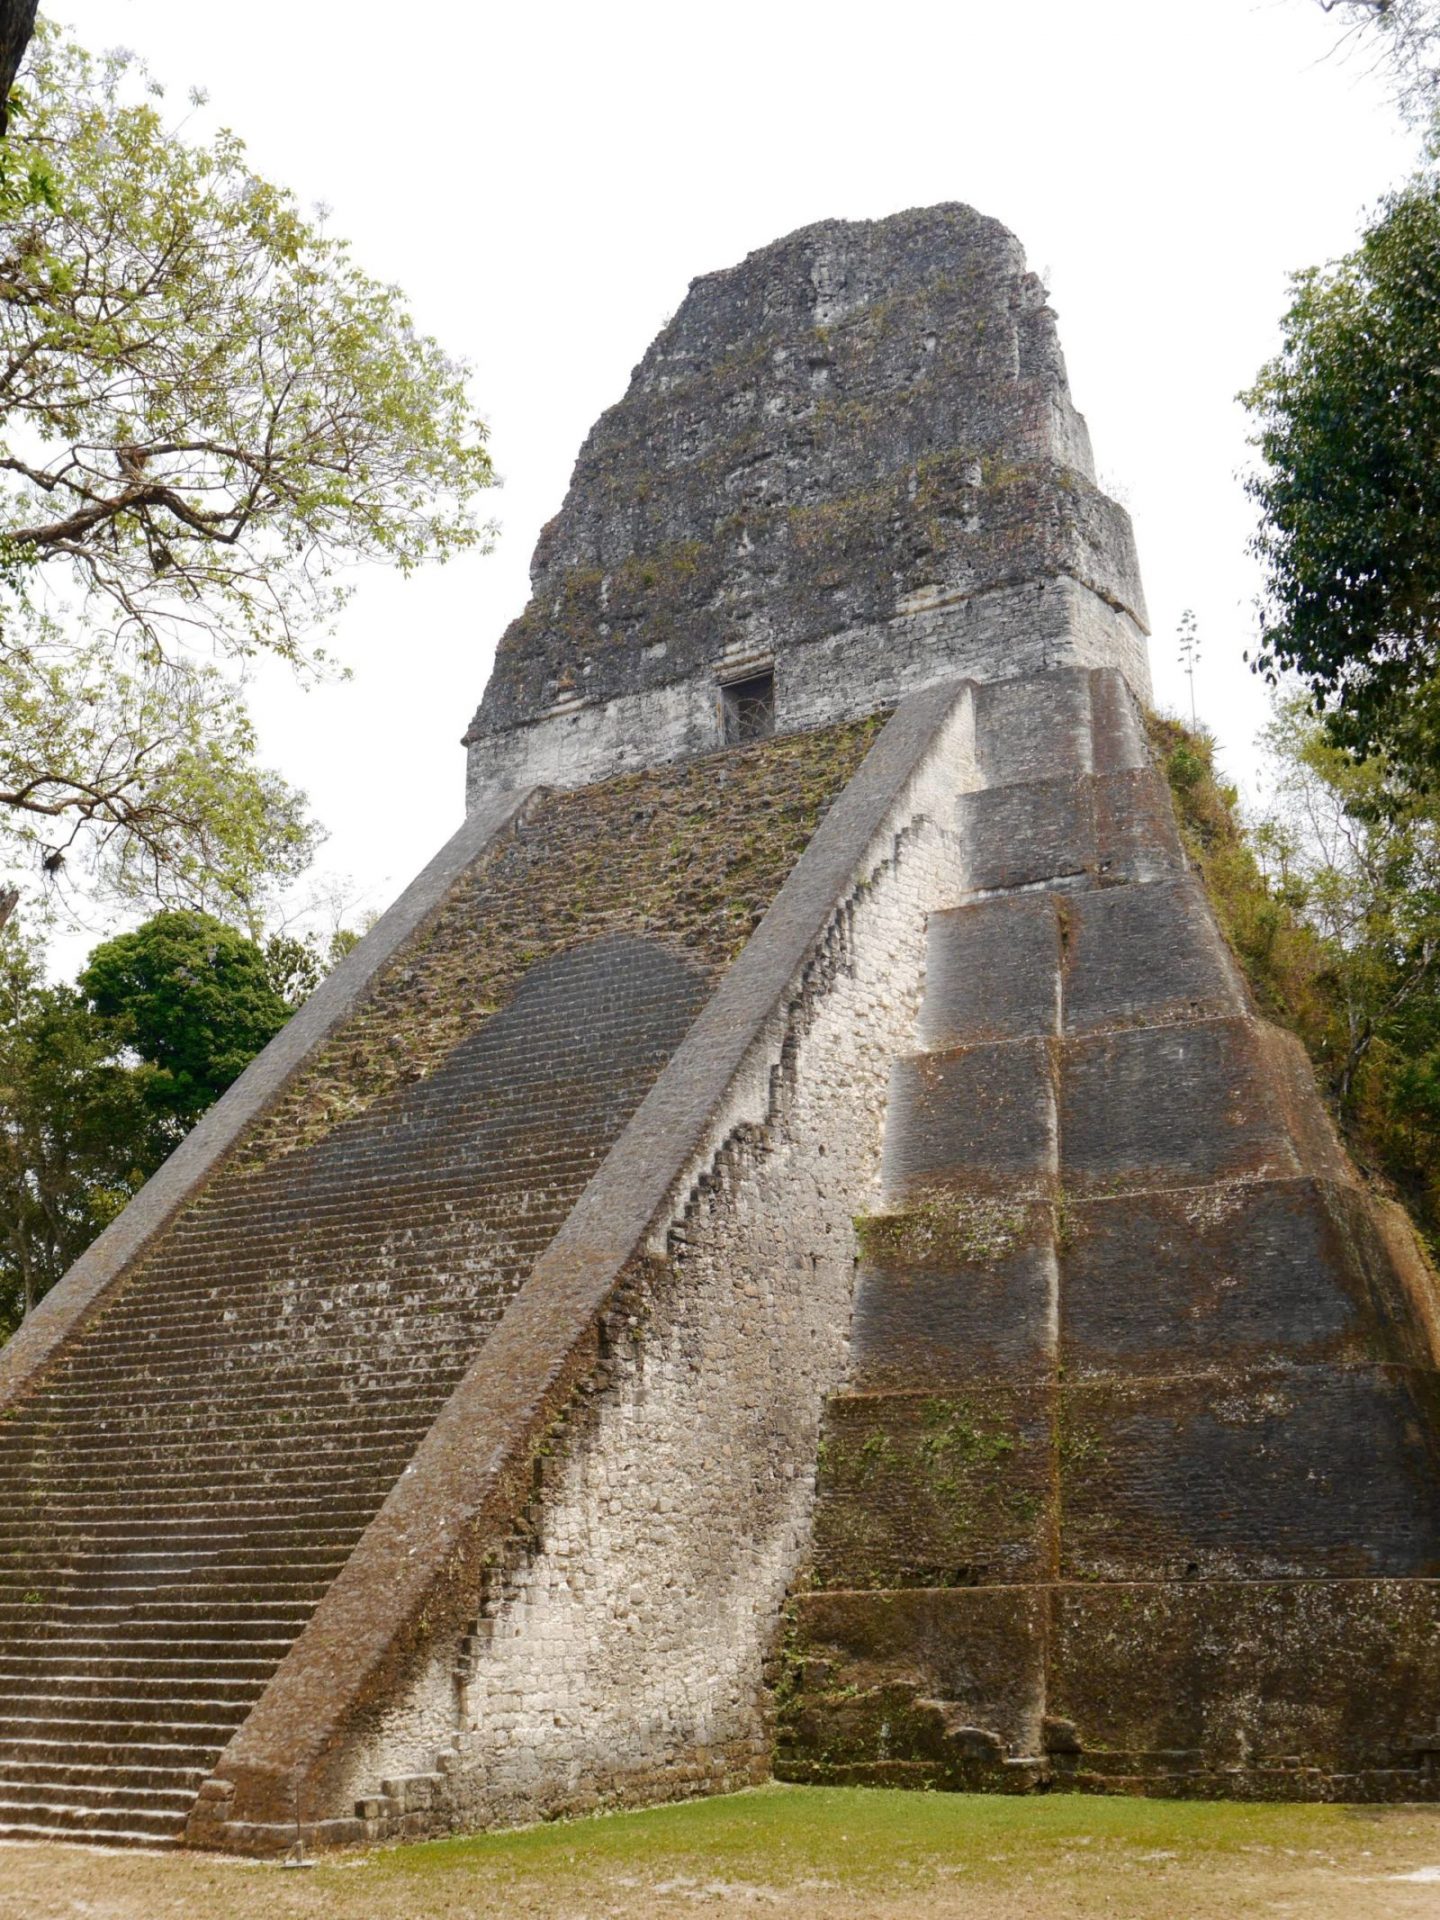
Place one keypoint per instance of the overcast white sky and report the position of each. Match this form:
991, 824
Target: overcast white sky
544, 181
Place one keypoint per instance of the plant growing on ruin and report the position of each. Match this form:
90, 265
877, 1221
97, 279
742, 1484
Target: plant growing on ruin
208, 413
1331, 901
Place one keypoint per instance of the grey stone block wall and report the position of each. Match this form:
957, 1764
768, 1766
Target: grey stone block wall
616, 1653
851, 461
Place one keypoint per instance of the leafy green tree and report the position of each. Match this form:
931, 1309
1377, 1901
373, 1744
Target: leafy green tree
193, 998
77, 1136
99, 1083
1358, 857
1348, 428
208, 416
295, 966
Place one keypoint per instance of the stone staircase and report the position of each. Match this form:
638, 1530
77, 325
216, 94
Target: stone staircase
182, 1487
1135, 1484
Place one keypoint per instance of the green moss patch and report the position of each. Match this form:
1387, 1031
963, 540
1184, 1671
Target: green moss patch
940, 1228
690, 855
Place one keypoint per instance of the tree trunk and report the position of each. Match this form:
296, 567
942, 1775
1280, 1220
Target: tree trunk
9, 900
17, 23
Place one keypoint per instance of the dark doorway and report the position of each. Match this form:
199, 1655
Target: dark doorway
749, 709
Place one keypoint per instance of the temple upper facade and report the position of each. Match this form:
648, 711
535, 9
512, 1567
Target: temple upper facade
847, 468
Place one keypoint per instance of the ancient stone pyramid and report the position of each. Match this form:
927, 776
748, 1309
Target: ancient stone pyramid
788, 1249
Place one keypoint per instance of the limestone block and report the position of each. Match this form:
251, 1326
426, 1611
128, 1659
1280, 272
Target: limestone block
1029, 730
992, 972
1175, 1106
920, 1677
1101, 829
1146, 956
977, 1121
935, 1489
954, 1324
1267, 1687
1028, 835
1136, 838
1258, 1475
1202, 1279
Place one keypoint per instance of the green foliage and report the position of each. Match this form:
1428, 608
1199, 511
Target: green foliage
152, 771
193, 998
1348, 427
295, 966
99, 1083
77, 1136
230, 409
208, 414
1332, 904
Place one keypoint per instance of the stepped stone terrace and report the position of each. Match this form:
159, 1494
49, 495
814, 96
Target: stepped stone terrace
789, 1249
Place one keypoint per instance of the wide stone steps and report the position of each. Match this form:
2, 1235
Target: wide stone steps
81, 1782
91, 1442
277, 1590
302, 1346
239, 1512
207, 1527
96, 1660
43, 1822
117, 1722
318, 1525
148, 1398
118, 1795
238, 1360
115, 1573
181, 1489
261, 1615
172, 1687
48, 1756
96, 1439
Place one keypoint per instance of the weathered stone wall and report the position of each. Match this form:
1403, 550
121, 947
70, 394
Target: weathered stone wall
852, 460
947, 634
1133, 1485
619, 1650
183, 1477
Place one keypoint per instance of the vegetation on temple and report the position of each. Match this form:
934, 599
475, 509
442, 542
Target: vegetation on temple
1332, 903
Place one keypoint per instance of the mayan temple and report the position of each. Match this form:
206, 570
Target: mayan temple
788, 1252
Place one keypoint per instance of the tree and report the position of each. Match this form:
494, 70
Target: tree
208, 416
1406, 36
193, 998
77, 1137
17, 23
100, 1082
1331, 901
1357, 855
1348, 418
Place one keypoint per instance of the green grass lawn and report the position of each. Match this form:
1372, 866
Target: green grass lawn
807, 1852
